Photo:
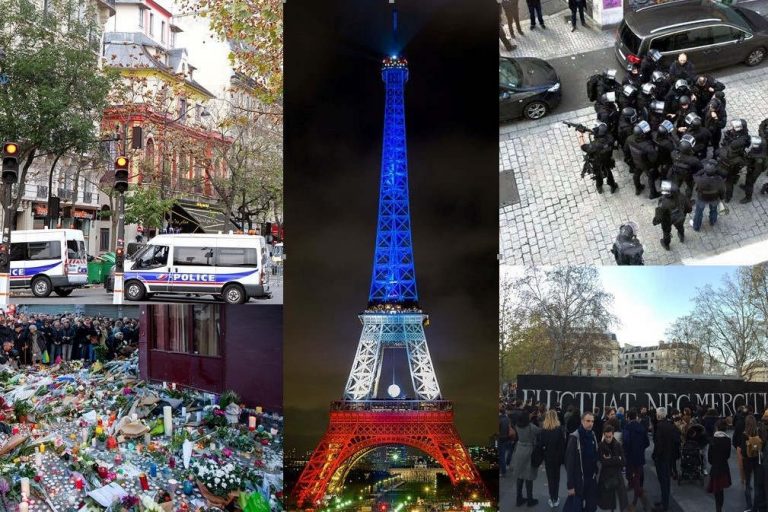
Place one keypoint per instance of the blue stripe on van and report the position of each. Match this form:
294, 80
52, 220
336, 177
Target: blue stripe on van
20, 273
183, 278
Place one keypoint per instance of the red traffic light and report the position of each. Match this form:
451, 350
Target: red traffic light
10, 148
121, 162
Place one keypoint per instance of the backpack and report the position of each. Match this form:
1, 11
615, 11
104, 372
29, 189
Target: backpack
592, 86
754, 446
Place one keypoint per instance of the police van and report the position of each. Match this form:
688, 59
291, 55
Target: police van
47, 260
229, 267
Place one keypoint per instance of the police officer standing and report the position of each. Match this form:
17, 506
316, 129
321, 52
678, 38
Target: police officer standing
600, 156
627, 249
644, 156
715, 119
671, 211
710, 189
685, 165
757, 155
694, 128
649, 64
666, 142
732, 156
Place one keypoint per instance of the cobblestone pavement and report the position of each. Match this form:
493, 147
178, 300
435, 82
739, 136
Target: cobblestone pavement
558, 40
561, 219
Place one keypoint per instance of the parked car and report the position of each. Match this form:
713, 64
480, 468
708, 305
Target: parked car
713, 35
528, 87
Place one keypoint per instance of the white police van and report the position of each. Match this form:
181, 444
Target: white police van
47, 260
229, 267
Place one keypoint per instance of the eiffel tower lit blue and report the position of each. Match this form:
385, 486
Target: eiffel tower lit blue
394, 278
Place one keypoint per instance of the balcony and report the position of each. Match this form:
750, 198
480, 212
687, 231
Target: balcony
88, 197
64, 194
42, 192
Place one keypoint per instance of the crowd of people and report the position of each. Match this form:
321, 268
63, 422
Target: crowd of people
50, 339
670, 124
604, 454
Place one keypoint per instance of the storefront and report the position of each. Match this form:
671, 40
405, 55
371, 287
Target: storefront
199, 217
70, 218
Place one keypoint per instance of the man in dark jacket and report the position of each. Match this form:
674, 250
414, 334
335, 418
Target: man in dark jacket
575, 5
505, 440
666, 444
635, 440
671, 211
534, 10
681, 68
581, 465
710, 189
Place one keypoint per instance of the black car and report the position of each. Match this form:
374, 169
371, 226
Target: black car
528, 87
711, 34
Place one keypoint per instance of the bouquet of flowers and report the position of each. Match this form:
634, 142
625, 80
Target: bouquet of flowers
222, 481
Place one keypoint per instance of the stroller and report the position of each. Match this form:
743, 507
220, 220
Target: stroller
691, 458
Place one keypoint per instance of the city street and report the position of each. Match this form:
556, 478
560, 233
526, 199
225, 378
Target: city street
686, 497
97, 295
549, 214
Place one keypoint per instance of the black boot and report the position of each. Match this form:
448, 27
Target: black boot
665, 244
639, 190
746, 200
532, 502
614, 188
681, 236
599, 189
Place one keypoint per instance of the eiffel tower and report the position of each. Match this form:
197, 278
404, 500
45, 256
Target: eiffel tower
362, 422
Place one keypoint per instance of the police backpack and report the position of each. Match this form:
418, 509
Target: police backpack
592, 87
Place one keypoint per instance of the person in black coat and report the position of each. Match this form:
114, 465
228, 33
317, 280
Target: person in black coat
666, 445
681, 68
611, 482
577, 5
581, 465
534, 10
552, 441
719, 473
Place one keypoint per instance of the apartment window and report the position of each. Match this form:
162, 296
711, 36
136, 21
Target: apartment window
151, 24
162, 31
182, 109
141, 17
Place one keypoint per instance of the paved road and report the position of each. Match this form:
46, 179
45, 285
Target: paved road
97, 295
686, 497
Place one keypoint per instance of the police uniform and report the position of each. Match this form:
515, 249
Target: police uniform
600, 154
671, 211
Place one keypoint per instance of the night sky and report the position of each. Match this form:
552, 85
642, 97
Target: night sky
334, 100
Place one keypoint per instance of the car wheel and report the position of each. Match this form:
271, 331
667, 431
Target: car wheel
234, 294
63, 292
134, 290
41, 287
535, 110
756, 56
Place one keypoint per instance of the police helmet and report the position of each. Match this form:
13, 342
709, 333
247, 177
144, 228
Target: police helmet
682, 83
720, 95
658, 77
608, 97
655, 55
629, 90
628, 229
600, 129
667, 187
648, 89
687, 143
685, 101
693, 120
666, 127
738, 125
630, 114
610, 73
755, 144
715, 103
633, 69
710, 166
658, 107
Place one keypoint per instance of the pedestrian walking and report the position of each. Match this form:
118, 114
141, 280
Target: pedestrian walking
506, 435
666, 446
577, 5
552, 442
581, 467
522, 466
636, 441
750, 448
719, 473
610, 485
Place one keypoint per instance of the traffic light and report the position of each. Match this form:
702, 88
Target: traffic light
10, 162
121, 174
119, 258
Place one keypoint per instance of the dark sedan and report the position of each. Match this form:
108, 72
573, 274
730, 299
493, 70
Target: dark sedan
528, 87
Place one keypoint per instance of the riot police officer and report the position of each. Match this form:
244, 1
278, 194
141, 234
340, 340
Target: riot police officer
693, 126
656, 113
628, 97
684, 108
633, 76
607, 112
671, 211
737, 130
703, 90
678, 90
732, 157
644, 98
715, 119
600, 156
666, 142
684, 164
757, 155
644, 157
608, 83
627, 249
710, 189
661, 80
649, 64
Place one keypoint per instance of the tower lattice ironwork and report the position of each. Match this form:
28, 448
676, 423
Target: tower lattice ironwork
362, 421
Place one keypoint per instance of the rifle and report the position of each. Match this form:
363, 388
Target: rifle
579, 127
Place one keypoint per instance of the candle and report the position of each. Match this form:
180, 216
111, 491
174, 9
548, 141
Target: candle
23, 507
102, 470
144, 482
38, 458
188, 488
173, 386
84, 435
79, 484
153, 470
134, 417
251, 423
183, 412
258, 410
15, 430
93, 442
172, 462
199, 417
167, 421
42, 448
147, 438
25, 486
172, 486
165, 385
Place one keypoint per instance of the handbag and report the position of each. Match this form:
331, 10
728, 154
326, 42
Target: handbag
46, 357
574, 504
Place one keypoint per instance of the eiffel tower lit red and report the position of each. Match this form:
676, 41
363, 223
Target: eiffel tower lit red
363, 422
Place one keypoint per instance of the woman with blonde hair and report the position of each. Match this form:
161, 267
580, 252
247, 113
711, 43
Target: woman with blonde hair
552, 442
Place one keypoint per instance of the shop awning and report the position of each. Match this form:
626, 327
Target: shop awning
193, 219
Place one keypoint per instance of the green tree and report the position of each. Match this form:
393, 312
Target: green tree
145, 206
57, 92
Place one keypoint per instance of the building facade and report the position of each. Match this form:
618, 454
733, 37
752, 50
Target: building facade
607, 363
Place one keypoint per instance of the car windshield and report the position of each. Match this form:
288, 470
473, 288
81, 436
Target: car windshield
509, 73
733, 16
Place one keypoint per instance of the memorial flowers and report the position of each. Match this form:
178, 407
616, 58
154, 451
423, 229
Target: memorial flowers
220, 480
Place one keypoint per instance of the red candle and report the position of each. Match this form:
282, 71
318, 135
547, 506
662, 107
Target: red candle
172, 462
144, 482
102, 472
15, 430
79, 484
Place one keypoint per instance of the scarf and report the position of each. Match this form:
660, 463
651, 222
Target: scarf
588, 448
